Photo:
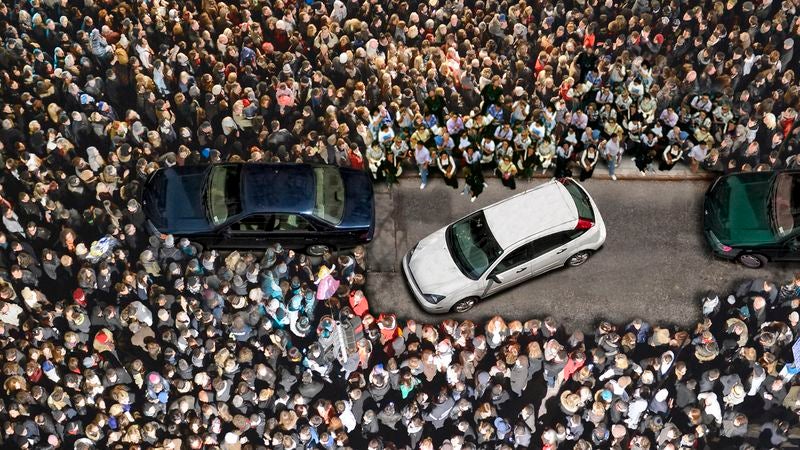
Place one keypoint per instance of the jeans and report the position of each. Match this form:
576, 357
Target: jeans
423, 173
612, 165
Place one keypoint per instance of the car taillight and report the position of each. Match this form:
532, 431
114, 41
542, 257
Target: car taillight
584, 224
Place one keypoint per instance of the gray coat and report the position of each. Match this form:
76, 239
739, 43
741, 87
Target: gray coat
520, 375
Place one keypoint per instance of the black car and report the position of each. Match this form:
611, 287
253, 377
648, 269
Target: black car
252, 205
754, 217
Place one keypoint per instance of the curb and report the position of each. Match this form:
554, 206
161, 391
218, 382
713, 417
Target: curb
705, 176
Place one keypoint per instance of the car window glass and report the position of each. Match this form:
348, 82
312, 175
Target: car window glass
514, 259
546, 243
252, 223
291, 222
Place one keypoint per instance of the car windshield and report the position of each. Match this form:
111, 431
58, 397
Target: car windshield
784, 207
329, 194
222, 193
472, 245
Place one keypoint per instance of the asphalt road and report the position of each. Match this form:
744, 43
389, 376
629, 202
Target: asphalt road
655, 264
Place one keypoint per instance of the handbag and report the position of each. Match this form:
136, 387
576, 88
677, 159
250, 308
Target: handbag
506, 175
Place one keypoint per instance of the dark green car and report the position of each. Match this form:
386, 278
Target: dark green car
754, 217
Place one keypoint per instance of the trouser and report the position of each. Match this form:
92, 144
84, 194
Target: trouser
612, 165
561, 167
423, 173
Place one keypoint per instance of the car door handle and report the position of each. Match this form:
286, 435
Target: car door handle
520, 270
561, 251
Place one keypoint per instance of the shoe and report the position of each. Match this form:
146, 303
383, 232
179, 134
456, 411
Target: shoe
422, 186
614, 177
473, 199
633, 158
462, 192
485, 184
544, 171
641, 172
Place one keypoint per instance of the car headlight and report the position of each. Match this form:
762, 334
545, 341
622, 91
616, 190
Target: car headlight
433, 298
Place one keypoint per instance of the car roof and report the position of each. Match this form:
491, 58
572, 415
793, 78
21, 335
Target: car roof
529, 213
277, 188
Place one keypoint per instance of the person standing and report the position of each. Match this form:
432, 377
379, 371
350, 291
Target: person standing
423, 157
390, 169
447, 167
474, 181
491, 93
588, 161
507, 170
613, 153
563, 155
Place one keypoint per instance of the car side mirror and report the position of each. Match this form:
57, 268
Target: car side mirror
495, 279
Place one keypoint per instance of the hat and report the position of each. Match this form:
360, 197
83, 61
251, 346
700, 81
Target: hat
747, 7
661, 395
502, 427
101, 337
658, 39
303, 325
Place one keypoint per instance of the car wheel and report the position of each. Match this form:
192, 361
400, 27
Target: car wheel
579, 258
464, 305
752, 260
317, 249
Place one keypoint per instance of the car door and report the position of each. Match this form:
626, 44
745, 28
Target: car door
250, 231
789, 250
512, 269
290, 229
552, 251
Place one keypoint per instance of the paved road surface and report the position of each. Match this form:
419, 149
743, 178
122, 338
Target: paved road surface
654, 265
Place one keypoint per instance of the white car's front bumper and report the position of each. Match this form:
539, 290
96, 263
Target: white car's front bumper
434, 308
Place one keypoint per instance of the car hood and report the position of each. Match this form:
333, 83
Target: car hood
181, 189
736, 209
432, 252
359, 205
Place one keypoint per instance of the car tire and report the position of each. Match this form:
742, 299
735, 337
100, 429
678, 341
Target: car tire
464, 305
578, 258
752, 260
317, 249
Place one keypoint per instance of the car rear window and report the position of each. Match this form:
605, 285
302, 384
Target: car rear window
582, 201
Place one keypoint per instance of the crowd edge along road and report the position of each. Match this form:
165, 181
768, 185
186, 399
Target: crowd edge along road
754, 217
504, 244
250, 205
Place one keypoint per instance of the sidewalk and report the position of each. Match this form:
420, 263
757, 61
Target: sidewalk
627, 170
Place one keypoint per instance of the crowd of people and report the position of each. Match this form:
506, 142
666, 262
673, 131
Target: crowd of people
115, 339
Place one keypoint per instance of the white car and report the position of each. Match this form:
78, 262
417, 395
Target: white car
550, 226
